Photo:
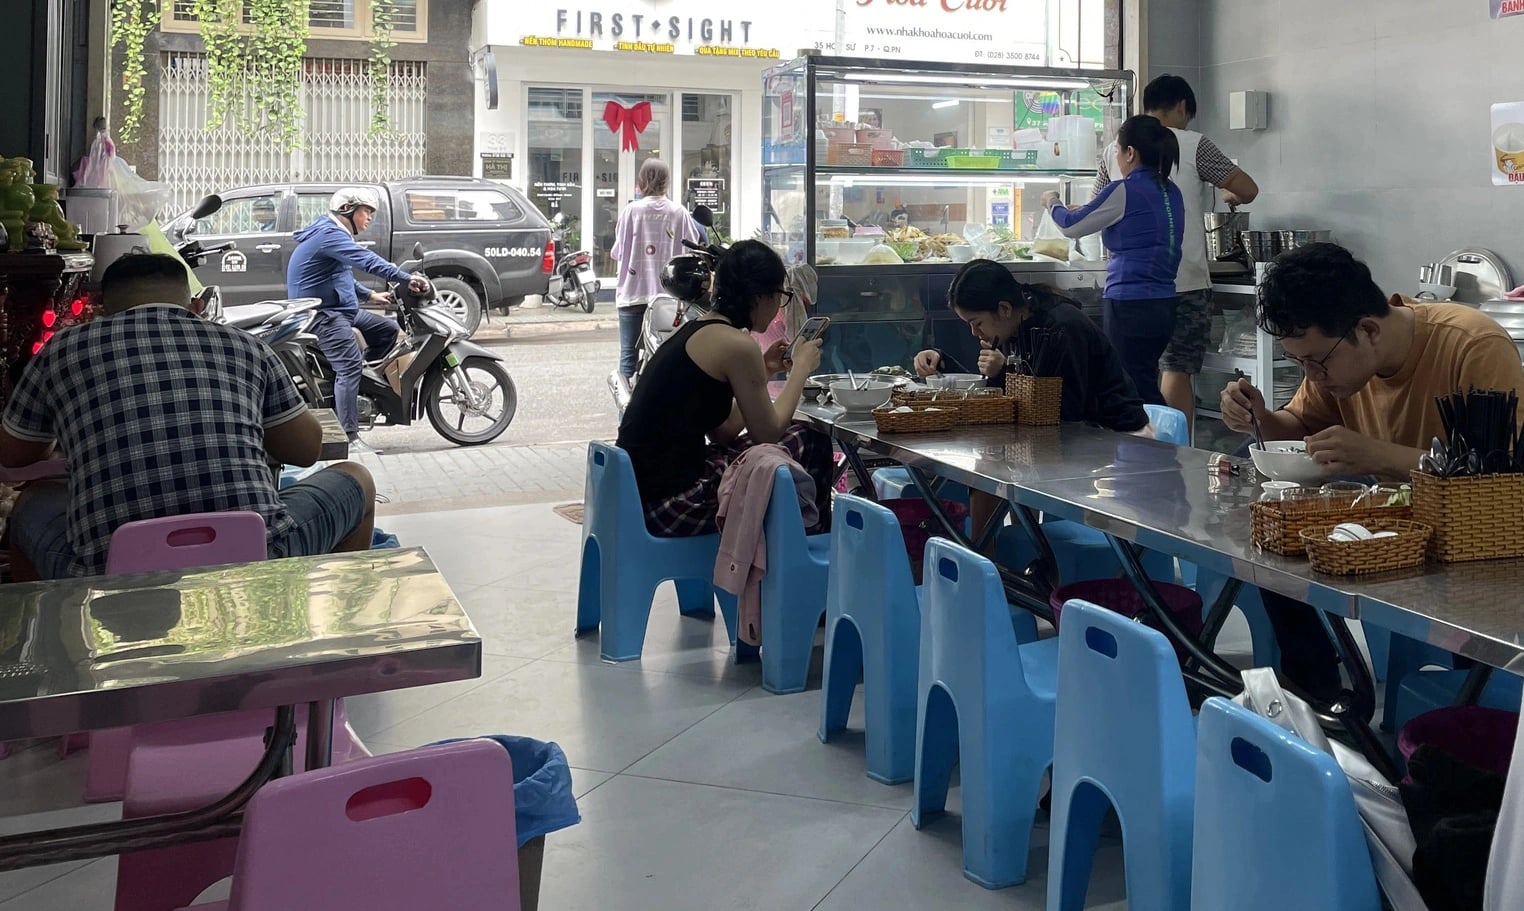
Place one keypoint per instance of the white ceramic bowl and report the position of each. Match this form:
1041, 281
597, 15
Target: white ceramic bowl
960, 253
1286, 460
868, 395
1440, 292
955, 381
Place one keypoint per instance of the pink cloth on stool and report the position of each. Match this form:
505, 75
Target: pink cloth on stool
745, 491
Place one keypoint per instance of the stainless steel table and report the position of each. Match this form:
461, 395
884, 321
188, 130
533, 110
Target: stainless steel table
110, 651
1143, 493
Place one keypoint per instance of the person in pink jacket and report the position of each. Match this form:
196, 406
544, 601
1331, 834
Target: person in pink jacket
651, 230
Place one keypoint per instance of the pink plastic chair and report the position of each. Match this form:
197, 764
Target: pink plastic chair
181, 765
174, 542
427, 828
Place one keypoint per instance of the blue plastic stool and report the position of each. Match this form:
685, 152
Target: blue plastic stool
873, 628
986, 703
1403, 656
894, 483
1267, 651
1425, 691
1277, 821
623, 563
793, 591
1169, 423
1124, 738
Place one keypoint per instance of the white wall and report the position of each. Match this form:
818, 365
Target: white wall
1379, 120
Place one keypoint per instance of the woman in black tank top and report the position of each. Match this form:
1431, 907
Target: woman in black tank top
702, 400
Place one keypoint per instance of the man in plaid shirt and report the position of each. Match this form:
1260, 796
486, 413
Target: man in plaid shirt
159, 412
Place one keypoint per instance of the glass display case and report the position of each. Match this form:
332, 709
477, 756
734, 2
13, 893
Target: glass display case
887, 176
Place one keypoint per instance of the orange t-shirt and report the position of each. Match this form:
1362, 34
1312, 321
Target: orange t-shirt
1455, 348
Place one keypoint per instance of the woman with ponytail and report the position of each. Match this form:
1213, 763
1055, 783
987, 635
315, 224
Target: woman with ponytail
1142, 222
702, 399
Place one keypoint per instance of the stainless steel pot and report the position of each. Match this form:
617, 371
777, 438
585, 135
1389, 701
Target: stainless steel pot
1291, 240
1262, 246
1222, 230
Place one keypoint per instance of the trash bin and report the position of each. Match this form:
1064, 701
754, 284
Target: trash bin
542, 803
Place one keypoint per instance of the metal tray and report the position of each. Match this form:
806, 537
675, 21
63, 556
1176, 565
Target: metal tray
1479, 275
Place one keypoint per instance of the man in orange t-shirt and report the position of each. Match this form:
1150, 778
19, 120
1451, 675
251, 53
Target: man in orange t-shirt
1366, 408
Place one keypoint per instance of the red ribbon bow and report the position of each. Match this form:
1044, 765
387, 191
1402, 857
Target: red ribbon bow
632, 120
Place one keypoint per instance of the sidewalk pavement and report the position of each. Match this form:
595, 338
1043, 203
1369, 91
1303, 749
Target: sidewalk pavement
534, 319
464, 477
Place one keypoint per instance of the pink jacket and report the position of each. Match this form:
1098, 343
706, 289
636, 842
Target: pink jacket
745, 491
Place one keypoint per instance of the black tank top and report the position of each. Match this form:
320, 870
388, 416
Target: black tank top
673, 408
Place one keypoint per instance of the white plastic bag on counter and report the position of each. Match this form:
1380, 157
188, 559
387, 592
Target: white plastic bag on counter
141, 200
1050, 240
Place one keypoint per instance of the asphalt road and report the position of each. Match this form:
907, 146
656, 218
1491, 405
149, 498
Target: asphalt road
559, 371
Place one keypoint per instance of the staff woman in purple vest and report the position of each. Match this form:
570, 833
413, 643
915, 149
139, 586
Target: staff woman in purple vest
1142, 221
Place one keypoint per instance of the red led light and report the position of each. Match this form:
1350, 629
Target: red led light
36, 347
49, 318
77, 307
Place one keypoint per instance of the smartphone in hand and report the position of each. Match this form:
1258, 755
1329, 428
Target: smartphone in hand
813, 329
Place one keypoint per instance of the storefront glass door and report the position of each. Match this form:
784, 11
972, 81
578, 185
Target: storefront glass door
555, 156
621, 120
704, 173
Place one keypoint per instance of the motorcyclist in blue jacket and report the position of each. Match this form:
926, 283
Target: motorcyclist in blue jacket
322, 266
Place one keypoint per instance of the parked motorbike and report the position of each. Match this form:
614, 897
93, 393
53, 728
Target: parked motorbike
572, 282
434, 369
283, 326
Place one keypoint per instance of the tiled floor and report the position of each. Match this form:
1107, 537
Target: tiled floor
697, 789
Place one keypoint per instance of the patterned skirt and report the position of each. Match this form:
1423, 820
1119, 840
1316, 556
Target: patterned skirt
694, 511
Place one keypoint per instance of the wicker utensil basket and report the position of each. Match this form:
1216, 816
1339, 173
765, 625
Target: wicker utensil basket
973, 407
1353, 558
919, 419
1474, 518
1039, 399
1277, 526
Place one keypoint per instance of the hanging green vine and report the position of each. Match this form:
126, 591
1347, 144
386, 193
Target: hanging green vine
226, 60
383, 18
132, 21
276, 51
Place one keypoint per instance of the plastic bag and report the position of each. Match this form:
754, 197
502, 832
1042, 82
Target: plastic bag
94, 170
141, 200
1050, 240
1387, 832
542, 785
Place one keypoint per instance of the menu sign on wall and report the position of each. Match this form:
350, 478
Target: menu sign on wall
1507, 158
1501, 9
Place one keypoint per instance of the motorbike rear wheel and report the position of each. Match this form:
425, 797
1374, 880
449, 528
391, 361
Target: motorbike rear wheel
589, 298
450, 410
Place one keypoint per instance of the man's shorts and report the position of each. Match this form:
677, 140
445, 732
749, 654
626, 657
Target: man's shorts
1193, 331
324, 507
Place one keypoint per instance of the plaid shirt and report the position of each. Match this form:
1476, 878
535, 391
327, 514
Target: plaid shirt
158, 413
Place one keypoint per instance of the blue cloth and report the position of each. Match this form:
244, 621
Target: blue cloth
323, 264
542, 785
380, 540
1143, 225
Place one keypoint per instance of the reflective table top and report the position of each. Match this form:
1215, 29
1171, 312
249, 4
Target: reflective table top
107, 651
1168, 498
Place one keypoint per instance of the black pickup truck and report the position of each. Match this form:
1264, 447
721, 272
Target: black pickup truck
484, 244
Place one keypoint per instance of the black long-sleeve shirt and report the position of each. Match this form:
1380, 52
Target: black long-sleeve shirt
1097, 390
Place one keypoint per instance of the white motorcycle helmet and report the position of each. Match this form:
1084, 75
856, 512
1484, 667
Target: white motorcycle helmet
345, 201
